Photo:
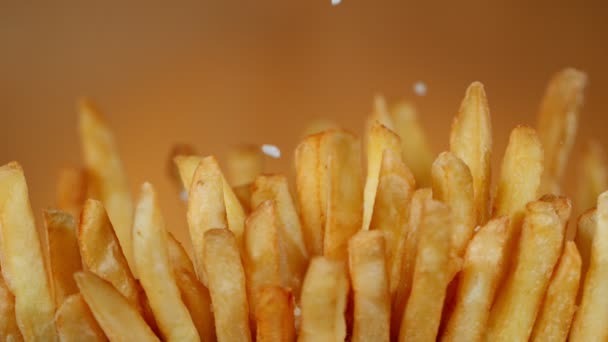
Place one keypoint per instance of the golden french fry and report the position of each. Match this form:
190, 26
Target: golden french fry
196, 298
422, 316
64, 256
9, 331
519, 300
117, 317
101, 252
226, 279
590, 319
453, 185
369, 277
72, 187
584, 239
324, 297
107, 171
554, 319
557, 122
285, 216
471, 141
75, 322
380, 114
150, 248
243, 193
178, 256
186, 166
482, 267
172, 168
244, 164
23, 265
317, 126
593, 175
274, 315
417, 152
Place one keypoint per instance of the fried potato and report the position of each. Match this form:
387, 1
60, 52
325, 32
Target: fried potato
380, 114
75, 322
557, 122
9, 331
587, 224
198, 301
172, 169
226, 279
101, 253
471, 141
369, 277
178, 256
555, 316
324, 297
118, 318
482, 267
243, 194
64, 255
107, 171
593, 175
72, 188
317, 126
244, 164
23, 266
431, 275
150, 248
274, 315
519, 300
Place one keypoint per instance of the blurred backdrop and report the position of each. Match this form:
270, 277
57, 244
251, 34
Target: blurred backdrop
217, 73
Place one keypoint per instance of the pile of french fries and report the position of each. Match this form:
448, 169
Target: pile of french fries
416, 248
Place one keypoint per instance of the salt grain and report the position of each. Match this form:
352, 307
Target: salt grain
420, 88
271, 151
335, 2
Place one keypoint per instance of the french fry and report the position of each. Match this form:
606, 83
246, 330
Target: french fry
557, 122
380, 114
431, 275
150, 248
64, 256
178, 256
317, 126
519, 300
23, 266
584, 239
593, 175
482, 267
244, 164
117, 317
226, 279
9, 331
196, 298
417, 152
395, 189
107, 171
72, 187
186, 166
243, 193
590, 319
554, 319
75, 322
369, 277
101, 253
274, 315
471, 141
324, 296
172, 168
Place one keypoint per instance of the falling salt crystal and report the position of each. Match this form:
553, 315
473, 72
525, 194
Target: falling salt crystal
335, 2
297, 311
420, 88
271, 150
184, 195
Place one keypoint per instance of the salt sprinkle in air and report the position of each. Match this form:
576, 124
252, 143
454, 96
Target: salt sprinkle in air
335, 2
184, 195
271, 151
297, 311
420, 88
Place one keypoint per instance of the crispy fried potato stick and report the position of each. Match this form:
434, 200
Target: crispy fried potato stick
554, 319
274, 315
150, 248
9, 331
23, 265
119, 319
226, 279
519, 300
64, 256
584, 240
172, 168
380, 114
593, 176
72, 187
317, 126
198, 301
483, 265
557, 123
107, 171
471, 141
243, 193
324, 297
244, 164
178, 256
431, 275
370, 284
75, 322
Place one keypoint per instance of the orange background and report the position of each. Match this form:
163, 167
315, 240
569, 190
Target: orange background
216, 73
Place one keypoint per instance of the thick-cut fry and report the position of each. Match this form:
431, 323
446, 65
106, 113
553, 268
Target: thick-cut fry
317, 126
196, 298
431, 275
64, 256
173, 169
9, 331
244, 164
243, 193
380, 114
101, 252
119, 319
72, 187
369, 277
274, 315
557, 122
554, 319
395, 189
226, 279
178, 256
75, 322
584, 239
517, 304
107, 171
22, 260
155, 270
471, 141
590, 319
453, 185
293, 250
186, 166
324, 296
482, 267
417, 152
593, 175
